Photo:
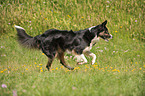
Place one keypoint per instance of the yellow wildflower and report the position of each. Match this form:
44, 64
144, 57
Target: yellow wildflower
86, 66
61, 66
67, 70
69, 16
37, 66
102, 68
2, 71
76, 68
111, 67
56, 68
126, 70
41, 70
114, 70
132, 70
118, 71
95, 66
5, 69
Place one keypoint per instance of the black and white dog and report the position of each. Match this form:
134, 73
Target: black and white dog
55, 42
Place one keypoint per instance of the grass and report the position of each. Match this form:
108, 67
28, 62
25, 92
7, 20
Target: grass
120, 65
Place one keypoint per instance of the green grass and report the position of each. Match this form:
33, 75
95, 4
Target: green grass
119, 70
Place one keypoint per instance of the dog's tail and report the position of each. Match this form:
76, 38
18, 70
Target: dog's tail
26, 40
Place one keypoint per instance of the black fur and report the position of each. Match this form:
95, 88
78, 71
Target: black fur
26, 40
55, 41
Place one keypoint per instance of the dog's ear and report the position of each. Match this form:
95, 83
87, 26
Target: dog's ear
71, 31
104, 23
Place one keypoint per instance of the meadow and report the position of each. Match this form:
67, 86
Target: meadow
119, 69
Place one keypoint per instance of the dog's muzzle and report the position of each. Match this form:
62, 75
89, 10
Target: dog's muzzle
111, 36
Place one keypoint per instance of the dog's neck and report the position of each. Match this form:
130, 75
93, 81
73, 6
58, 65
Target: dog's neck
91, 28
95, 39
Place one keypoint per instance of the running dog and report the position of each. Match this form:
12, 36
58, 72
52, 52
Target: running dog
56, 42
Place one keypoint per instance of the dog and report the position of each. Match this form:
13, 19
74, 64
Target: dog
56, 42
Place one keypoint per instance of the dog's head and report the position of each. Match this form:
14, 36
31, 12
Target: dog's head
101, 31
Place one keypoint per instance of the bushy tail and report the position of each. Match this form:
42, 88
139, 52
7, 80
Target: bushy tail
24, 39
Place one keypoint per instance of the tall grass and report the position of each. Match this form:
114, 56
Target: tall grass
119, 68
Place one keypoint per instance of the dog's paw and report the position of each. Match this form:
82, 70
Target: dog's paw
93, 62
70, 68
81, 63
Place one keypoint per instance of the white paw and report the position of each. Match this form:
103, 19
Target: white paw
93, 62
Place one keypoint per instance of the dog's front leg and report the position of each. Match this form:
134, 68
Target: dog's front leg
94, 58
81, 57
88, 53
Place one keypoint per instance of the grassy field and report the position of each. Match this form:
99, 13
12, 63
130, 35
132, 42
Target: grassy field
120, 65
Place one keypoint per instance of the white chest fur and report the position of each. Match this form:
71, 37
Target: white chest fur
94, 40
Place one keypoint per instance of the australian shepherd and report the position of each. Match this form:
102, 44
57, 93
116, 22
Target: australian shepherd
55, 42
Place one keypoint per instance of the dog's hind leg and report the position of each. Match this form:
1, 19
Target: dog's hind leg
49, 63
62, 61
51, 55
